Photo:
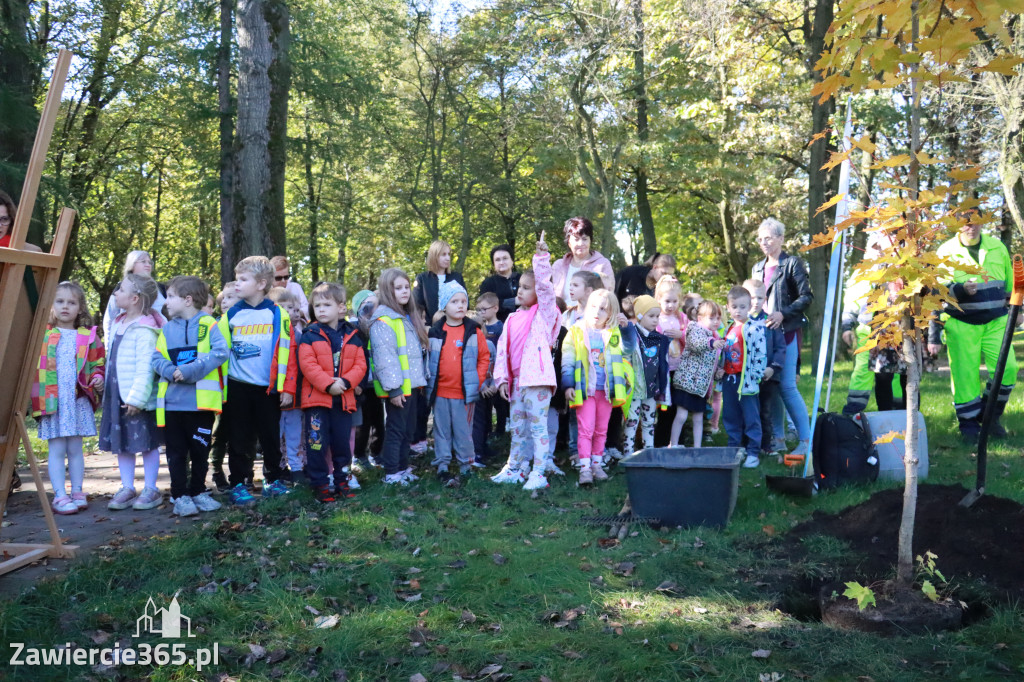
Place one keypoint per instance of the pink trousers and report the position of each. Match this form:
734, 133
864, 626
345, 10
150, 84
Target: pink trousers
592, 418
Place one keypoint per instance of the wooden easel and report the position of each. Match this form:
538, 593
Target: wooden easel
22, 325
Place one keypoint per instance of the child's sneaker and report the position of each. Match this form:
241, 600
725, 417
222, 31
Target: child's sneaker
586, 475
122, 499
205, 503
751, 462
408, 475
597, 471
419, 448
551, 468
62, 504
372, 461
536, 481
396, 479
323, 494
448, 479
80, 500
184, 506
613, 453
478, 465
274, 489
149, 498
353, 482
240, 496
508, 475
802, 448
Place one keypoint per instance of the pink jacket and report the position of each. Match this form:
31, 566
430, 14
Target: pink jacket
544, 321
596, 263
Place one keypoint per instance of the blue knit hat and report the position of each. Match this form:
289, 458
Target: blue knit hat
447, 291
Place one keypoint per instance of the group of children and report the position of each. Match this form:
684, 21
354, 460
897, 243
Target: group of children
190, 381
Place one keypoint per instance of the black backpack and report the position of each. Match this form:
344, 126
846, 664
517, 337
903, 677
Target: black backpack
843, 450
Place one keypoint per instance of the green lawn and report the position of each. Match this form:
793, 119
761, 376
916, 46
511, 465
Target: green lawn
418, 586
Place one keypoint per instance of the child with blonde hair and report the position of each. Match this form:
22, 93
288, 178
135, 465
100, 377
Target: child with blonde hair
293, 439
672, 323
128, 426
597, 377
65, 395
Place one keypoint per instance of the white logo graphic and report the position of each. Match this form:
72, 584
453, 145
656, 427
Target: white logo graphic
163, 622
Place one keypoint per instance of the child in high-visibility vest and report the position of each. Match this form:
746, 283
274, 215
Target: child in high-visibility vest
187, 361
128, 426
398, 342
597, 377
332, 365
262, 355
293, 436
524, 373
64, 398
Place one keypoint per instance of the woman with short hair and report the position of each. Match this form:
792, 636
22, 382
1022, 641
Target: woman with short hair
504, 283
579, 237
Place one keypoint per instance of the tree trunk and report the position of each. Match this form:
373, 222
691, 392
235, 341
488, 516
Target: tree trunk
737, 261
280, 73
159, 210
643, 204
227, 159
346, 227
818, 180
312, 203
252, 183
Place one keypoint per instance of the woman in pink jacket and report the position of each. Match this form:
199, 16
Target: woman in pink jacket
524, 372
579, 234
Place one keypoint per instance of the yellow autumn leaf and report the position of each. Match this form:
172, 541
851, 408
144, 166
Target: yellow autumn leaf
889, 437
830, 203
964, 174
864, 142
893, 161
1005, 65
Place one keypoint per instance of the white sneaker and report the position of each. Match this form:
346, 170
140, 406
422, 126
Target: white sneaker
612, 453
184, 506
353, 482
751, 462
373, 462
395, 479
802, 448
550, 468
478, 465
419, 448
205, 503
122, 499
408, 475
508, 475
536, 481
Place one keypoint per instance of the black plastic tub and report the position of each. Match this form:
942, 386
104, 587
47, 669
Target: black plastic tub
684, 486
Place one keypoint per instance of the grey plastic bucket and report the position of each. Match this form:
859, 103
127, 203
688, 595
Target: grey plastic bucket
684, 486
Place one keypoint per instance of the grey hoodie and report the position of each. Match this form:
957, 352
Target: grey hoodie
384, 350
183, 335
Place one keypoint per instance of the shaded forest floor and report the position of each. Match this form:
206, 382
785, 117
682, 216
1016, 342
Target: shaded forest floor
486, 582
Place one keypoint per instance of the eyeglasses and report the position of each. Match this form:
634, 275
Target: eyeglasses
485, 309
282, 278
5, 221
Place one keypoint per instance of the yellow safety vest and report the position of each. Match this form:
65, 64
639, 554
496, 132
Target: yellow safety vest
209, 389
398, 327
616, 367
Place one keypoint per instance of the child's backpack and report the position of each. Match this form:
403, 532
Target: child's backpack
843, 450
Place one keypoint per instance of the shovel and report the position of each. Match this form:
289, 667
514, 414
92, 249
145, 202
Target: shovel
803, 486
996, 380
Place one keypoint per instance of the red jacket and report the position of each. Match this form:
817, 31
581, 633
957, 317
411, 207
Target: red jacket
316, 368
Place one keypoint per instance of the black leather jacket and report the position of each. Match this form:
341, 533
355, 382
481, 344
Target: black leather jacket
789, 290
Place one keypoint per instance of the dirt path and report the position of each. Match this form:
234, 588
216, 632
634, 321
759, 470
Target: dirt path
94, 530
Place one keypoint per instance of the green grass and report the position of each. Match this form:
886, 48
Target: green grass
291, 554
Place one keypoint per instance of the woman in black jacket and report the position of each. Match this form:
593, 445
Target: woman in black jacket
788, 296
439, 260
504, 283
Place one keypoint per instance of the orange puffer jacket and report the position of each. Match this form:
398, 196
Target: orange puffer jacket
316, 367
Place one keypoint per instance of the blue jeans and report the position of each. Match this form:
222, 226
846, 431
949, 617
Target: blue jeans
327, 430
791, 398
742, 416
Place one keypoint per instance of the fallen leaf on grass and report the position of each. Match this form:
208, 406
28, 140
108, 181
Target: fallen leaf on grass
499, 559
768, 530
414, 584
761, 653
572, 655
489, 670
699, 609
673, 646
326, 622
460, 563
608, 543
421, 635
417, 678
625, 568
468, 616
99, 636
666, 586
312, 610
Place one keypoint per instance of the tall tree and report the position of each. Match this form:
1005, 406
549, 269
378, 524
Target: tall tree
226, 116
264, 76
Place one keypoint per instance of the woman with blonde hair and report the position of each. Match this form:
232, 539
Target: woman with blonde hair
428, 284
136, 263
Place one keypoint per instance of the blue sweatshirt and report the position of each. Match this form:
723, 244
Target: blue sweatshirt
182, 337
